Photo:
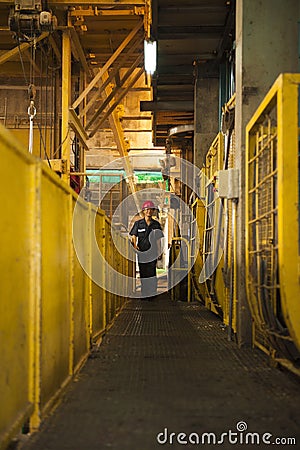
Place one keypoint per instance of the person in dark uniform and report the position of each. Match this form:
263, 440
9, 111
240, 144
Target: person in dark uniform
146, 234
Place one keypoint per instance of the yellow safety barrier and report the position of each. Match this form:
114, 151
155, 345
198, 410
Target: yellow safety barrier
51, 312
216, 222
272, 219
213, 227
199, 290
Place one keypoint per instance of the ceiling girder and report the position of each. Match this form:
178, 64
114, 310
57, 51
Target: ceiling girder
104, 3
117, 102
107, 65
21, 48
119, 63
114, 93
167, 105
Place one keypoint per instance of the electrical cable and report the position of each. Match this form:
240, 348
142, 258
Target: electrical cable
22, 63
60, 145
44, 145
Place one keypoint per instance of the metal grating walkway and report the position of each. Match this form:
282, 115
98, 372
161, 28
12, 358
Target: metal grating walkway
169, 365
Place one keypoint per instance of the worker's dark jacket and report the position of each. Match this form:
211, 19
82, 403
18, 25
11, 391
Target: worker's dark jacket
147, 237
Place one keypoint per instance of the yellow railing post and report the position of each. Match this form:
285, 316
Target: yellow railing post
65, 105
71, 283
103, 251
35, 300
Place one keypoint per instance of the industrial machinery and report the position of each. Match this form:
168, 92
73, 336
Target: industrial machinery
29, 18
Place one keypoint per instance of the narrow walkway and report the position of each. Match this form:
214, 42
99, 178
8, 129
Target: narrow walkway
167, 365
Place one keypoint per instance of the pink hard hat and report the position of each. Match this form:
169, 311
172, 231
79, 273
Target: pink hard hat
148, 204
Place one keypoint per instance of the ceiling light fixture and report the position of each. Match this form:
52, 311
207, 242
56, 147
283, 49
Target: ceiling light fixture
150, 56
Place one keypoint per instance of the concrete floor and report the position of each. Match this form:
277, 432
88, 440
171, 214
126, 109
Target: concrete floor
168, 368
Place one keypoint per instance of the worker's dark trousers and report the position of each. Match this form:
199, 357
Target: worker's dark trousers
148, 278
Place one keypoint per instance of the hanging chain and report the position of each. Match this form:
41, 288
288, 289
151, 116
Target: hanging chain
31, 94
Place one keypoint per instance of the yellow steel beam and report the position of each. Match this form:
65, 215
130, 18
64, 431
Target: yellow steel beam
100, 3
55, 47
21, 48
148, 18
122, 145
117, 102
77, 127
66, 97
107, 65
288, 201
77, 48
80, 12
111, 76
114, 93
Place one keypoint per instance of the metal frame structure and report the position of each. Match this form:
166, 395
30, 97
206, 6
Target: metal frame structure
216, 221
76, 114
65, 311
272, 220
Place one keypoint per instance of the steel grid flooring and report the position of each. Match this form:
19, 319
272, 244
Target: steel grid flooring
167, 365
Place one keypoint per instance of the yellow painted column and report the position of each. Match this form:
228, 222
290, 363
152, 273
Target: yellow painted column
35, 300
287, 110
104, 274
65, 104
71, 284
89, 285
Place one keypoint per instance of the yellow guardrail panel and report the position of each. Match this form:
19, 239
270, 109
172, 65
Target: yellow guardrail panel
50, 308
55, 288
82, 286
213, 227
217, 227
99, 321
272, 218
17, 225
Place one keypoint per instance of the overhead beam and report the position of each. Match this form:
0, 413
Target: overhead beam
167, 106
122, 144
114, 92
76, 46
193, 29
107, 64
21, 48
88, 2
92, 12
120, 63
168, 59
227, 38
78, 129
186, 69
55, 47
117, 102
